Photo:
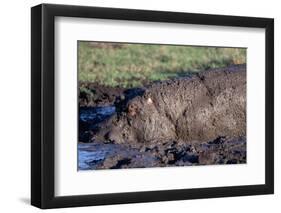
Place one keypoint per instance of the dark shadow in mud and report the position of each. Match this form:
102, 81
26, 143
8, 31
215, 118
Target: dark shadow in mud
121, 102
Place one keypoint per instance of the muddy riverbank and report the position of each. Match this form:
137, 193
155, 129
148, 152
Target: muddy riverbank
116, 156
102, 108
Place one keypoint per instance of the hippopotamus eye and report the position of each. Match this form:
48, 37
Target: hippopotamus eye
132, 109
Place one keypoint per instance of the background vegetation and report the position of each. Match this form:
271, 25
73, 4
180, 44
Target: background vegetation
130, 65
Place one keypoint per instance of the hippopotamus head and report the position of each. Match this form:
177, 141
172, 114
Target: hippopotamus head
141, 121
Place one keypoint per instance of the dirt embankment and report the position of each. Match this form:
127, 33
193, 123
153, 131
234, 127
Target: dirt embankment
95, 95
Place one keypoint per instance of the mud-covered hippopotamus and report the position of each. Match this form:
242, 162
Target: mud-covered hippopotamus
202, 107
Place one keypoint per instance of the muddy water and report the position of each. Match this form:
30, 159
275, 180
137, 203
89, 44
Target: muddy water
90, 117
95, 155
89, 153
112, 156
95, 114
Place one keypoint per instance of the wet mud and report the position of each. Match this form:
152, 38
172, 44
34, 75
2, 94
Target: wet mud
194, 120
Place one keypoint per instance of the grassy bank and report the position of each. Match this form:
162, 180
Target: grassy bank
130, 65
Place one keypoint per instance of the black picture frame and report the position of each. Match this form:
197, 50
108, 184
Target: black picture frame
43, 117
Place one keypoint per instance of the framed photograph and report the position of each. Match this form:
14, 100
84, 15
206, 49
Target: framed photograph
136, 106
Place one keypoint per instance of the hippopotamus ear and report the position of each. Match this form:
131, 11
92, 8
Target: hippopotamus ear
149, 101
147, 97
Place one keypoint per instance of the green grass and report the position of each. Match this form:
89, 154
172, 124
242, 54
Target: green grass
130, 65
